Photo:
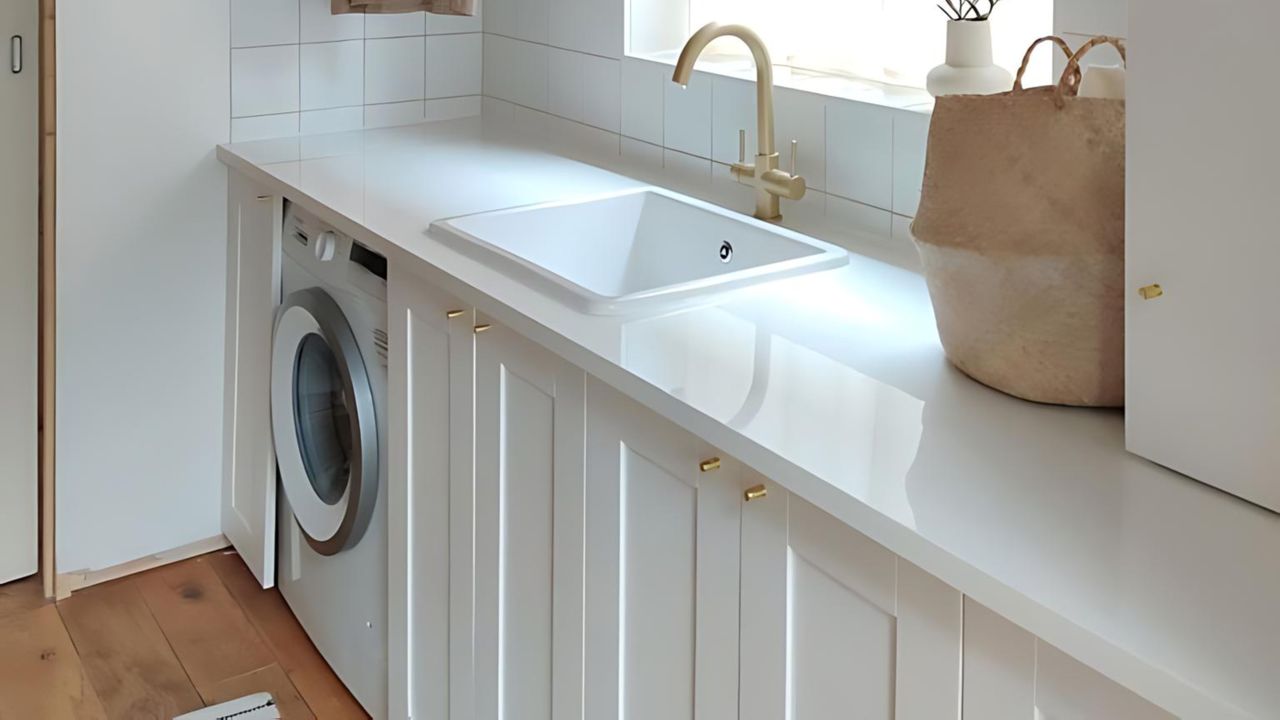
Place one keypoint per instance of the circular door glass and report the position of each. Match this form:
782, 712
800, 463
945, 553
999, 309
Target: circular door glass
322, 415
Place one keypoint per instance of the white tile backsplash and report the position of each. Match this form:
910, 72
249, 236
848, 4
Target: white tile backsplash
452, 24
453, 65
261, 127
264, 80
451, 108
802, 117
601, 103
860, 152
394, 70
387, 25
1099, 17
686, 125
392, 114
641, 103
263, 22
342, 119
587, 26
319, 24
332, 74
519, 71
565, 84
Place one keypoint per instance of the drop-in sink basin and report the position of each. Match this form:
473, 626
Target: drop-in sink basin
640, 250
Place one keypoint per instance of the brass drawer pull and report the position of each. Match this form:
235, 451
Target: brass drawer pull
482, 328
454, 313
755, 493
709, 464
1151, 292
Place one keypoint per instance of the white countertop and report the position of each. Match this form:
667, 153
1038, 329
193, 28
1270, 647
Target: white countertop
835, 386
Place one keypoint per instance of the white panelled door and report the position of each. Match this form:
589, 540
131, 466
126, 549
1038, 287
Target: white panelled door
528, 502
662, 542
19, 243
254, 225
834, 625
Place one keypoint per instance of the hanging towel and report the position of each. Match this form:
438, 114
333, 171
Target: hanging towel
439, 7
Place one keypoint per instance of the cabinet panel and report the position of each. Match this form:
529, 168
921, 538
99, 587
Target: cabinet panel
529, 445
661, 568
430, 501
1010, 674
254, 225
834, 625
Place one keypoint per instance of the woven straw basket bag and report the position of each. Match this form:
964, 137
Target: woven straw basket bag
1021, 232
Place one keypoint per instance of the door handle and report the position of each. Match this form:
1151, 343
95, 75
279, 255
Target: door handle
15, 54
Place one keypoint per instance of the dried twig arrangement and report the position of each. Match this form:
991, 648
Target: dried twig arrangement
967, 9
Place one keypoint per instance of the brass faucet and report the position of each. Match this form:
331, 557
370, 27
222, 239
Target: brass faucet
770, 182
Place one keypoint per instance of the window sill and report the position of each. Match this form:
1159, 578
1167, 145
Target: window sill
825, 84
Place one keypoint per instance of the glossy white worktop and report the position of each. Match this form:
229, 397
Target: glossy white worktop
835, 386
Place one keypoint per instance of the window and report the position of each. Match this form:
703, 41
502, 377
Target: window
889, 41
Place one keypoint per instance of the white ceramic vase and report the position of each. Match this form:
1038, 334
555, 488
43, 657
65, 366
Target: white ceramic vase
969, 69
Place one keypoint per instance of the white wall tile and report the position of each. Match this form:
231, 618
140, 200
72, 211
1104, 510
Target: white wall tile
394, 70
444, 24
516, 71
686, 122
454, 65
334, 120
642, 89
601, 104
500, 17
733, 108
564, 83
319, 24
451, 108
802, 116
264, 81
247, 129
1091, 17
910, 138
392, 114
532, 20
385, 25
855, 216
589, 26
332, 74
263, 22
641, 156
860, 152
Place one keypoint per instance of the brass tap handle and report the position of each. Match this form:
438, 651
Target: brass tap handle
794, 143
755, 493
742, 146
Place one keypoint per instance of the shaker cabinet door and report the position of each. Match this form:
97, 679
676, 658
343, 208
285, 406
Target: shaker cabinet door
834, 625
662, 533
528, 555
430, 500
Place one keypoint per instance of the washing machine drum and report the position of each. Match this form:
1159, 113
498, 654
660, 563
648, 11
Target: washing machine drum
323, 422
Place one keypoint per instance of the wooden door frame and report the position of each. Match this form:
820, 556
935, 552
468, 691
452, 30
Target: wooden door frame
48, 290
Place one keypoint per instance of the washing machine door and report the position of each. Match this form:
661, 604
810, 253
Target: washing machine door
323, 421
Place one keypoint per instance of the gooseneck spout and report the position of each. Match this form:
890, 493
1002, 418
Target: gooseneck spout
764, 73
769, 182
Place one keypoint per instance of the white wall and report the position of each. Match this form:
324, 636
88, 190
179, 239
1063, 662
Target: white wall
296, 68
142, 101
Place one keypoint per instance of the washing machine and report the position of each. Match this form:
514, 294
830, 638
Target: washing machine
328, 405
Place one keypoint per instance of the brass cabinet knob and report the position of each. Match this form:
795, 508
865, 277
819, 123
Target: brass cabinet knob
1151, 292
482, 328
755, 493
709, 464
455, 313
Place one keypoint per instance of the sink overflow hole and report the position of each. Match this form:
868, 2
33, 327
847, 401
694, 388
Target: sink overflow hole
726, 252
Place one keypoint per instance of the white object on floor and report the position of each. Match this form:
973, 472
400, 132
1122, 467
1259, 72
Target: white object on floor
260, 706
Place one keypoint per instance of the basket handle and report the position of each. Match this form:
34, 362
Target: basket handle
1026, 59
1066, 89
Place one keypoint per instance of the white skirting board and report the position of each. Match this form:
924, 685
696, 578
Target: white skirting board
260, 706
67, 583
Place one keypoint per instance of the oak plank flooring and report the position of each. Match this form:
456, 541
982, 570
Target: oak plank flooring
158, 643
126, 655
324, 693
270, 679
204, 625
40, 673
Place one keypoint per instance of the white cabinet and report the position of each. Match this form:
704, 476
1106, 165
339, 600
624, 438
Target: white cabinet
254, 223
834, 625
430, 500
529, 483
1009, 674
662, 538
1203, 393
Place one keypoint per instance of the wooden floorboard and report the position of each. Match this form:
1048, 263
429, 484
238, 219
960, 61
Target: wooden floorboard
125, 654
159, 644
272, 679
204, 625
323, 692
40, 673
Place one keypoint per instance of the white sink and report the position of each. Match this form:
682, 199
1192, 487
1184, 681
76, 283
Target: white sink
639, 250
